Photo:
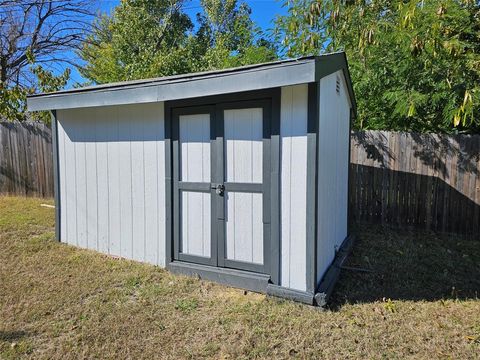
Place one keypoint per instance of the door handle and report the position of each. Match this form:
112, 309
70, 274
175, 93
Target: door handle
219, 188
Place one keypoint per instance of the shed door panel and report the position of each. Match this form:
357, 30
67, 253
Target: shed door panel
244, 227
243, 145
195, 210
195, 147
243, 137
221, 180
194, 240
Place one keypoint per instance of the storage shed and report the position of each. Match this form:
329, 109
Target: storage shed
239, 176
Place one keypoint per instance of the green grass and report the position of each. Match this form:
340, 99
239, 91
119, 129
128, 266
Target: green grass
57, 301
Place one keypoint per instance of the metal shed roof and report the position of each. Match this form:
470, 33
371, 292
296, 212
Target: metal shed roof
245, 78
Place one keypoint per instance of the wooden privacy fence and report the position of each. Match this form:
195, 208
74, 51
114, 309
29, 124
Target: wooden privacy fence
26, 159
414, 180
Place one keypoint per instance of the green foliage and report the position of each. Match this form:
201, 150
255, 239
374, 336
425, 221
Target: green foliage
13, 100
415, 64
149, 38
229, 36
143, 38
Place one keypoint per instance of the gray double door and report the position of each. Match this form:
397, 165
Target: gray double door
221, 178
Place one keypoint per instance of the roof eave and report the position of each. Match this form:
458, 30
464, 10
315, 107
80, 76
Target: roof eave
213, 83
253, 77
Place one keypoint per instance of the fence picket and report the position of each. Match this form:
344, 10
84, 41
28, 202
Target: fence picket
26, 167
427, 181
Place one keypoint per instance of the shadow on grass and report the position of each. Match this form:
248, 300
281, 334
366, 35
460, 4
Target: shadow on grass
408, 265
9, 336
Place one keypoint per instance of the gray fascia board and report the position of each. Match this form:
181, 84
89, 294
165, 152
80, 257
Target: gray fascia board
277, 75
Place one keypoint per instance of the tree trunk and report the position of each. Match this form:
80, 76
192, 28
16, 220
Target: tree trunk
3, 72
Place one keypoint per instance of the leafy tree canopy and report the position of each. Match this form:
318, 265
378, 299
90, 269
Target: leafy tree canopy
415, 64
149, 38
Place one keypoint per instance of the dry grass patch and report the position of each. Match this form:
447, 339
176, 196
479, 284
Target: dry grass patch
57, 301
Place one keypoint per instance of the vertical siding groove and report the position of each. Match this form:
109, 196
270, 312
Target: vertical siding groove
96, 190
86, 192
119, 177
76, 190
290, 151
144, 198
108, 198
119, 184
203, 197
251, 180
234, 179
132, 209
337, 120
65, 208
157, 183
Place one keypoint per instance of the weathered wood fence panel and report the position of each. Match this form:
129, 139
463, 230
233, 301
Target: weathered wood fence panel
414, 180
26, 159
425, 181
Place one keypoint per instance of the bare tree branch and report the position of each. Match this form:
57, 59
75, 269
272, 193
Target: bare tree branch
43, 29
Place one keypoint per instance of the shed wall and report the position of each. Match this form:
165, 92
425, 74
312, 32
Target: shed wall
333, 146
293, 185
112, 180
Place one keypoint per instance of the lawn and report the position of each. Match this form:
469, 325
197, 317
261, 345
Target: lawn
419, 299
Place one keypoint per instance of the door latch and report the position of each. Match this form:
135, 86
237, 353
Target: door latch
219, 189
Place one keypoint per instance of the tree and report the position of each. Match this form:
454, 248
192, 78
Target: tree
150, 38
415, 64
39, 29
142, 38
40, 32
229, 36
13, 99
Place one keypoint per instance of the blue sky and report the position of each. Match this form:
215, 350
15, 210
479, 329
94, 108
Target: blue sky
263, 11
263, 14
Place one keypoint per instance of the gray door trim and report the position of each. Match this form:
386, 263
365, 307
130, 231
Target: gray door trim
168, 184
194, 186
243, 187
274, 96
275, 244
179, 185
312, 179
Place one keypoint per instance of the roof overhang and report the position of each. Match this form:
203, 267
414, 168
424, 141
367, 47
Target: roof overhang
246, 78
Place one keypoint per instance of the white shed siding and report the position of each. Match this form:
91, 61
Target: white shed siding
112, 180
333, 148
293, 185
